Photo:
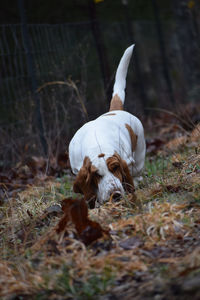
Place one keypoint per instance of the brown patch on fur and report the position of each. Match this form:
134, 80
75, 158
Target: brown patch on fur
112, 114
133, 137
86, 181
120, 169
116, 103
101, 155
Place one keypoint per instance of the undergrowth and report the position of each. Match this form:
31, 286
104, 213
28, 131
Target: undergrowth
151, 243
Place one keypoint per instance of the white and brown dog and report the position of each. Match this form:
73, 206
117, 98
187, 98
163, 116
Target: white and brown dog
108, 152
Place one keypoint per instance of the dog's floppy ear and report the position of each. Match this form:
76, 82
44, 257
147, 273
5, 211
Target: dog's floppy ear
83, 176
127, 178
122, 172
90, 170
77, 186
84, 180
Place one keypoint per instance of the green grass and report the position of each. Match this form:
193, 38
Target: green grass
66, 285
156, 169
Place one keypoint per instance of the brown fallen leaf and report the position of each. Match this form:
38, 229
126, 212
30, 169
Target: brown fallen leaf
36, 164
172, 188
154, 145
76, 210
178, 164
63, 160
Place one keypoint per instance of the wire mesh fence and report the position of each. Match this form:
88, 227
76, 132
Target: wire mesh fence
68, 77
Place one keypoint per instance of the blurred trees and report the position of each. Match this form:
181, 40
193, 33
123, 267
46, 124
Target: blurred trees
183, 15
83, 40
188, 40
63, 11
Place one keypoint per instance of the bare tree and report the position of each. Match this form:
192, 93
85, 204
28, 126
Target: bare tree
96, 30
188, 42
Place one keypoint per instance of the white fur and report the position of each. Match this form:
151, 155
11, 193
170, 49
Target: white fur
120, 77
108, 183
108, 134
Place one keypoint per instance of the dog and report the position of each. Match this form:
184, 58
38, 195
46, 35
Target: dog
105, 154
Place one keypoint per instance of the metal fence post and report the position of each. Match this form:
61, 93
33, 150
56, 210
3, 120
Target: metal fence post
32, 75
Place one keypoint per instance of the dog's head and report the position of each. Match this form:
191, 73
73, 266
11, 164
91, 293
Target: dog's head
104, 178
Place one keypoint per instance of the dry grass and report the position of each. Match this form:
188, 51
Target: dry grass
152, 242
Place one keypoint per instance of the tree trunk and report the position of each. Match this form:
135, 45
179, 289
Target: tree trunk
100, 49
162, 50
188, 43
130, 31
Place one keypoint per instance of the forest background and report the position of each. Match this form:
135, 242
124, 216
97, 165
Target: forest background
58, 62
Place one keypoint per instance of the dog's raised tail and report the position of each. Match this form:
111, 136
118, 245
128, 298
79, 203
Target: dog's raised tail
118, 95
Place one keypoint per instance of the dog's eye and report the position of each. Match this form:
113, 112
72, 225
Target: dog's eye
115, 168
98, 176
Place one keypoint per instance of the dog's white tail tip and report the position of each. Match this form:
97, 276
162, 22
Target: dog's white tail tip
130, 49
120, 78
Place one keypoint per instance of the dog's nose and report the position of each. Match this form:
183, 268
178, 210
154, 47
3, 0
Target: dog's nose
116, 196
